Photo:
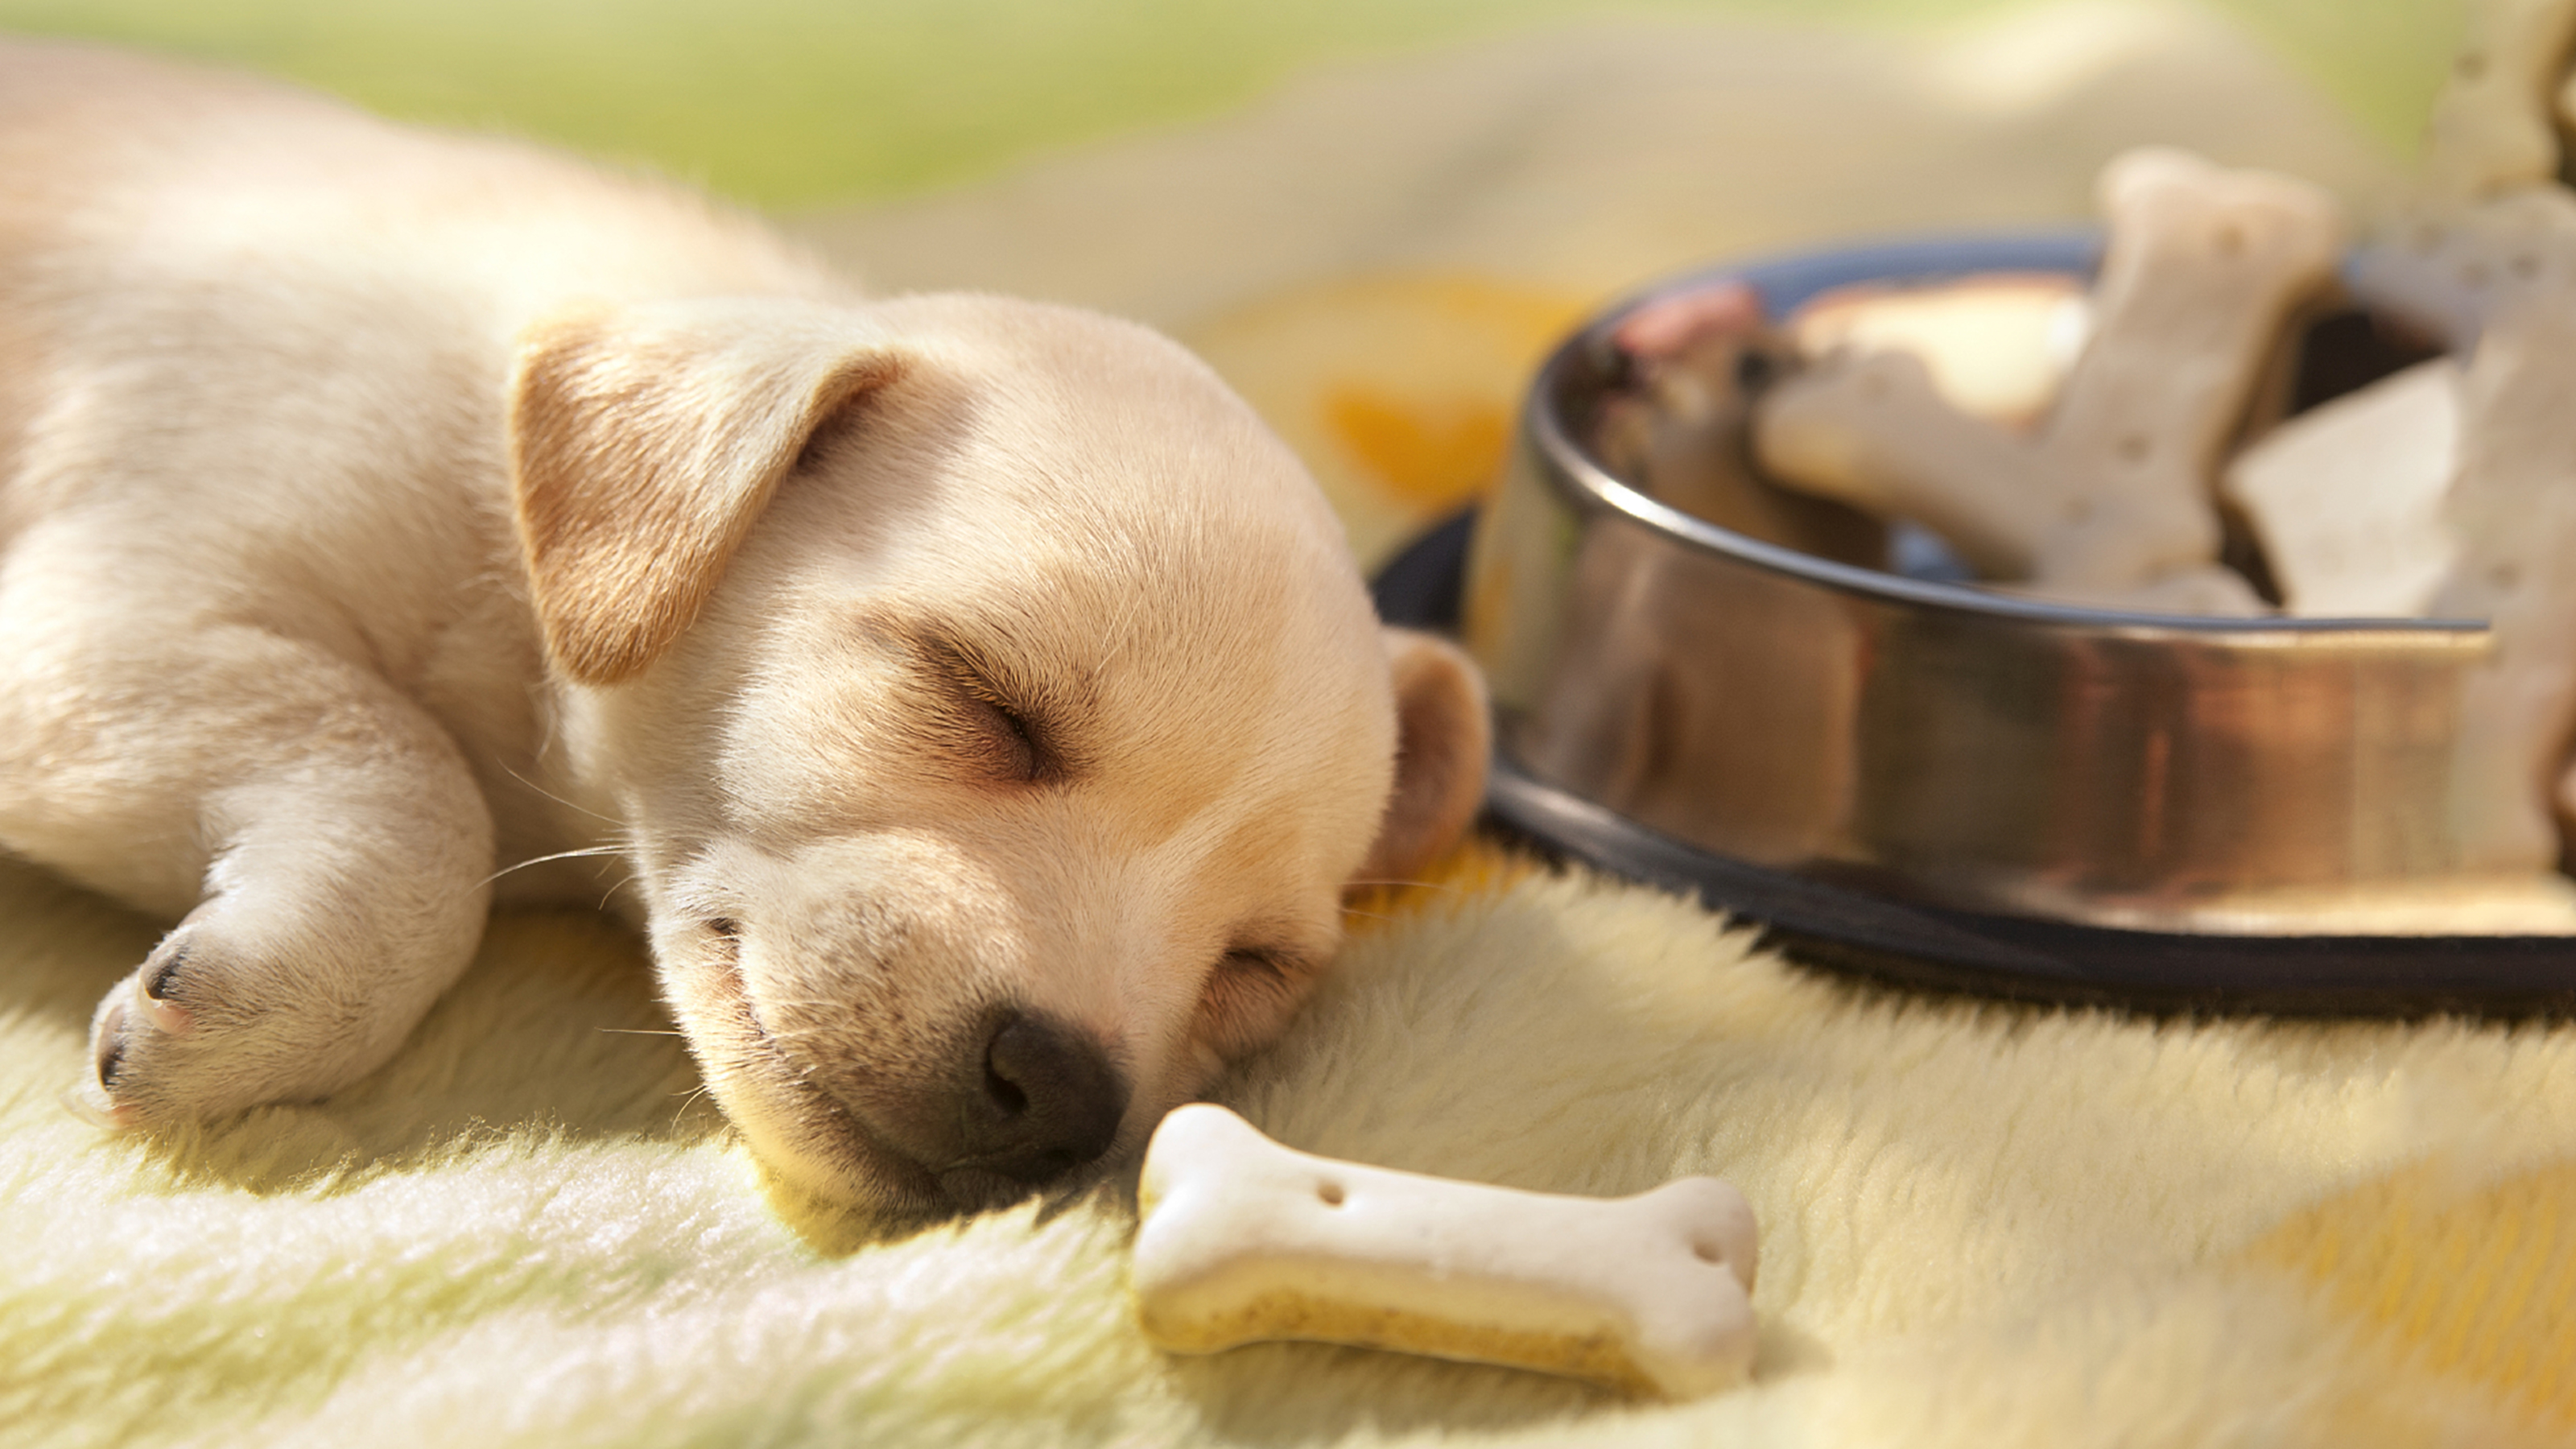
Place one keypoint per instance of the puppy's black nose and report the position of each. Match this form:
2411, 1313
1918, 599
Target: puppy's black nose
1047, 1101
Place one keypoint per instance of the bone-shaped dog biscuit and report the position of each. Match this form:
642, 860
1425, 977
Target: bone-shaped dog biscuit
2497, 281
2516, 521
2493, 127
2512, 508
1873, 430
2448, 271
1245, 1240
2113, 492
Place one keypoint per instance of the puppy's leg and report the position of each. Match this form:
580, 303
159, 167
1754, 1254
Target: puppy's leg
323, 835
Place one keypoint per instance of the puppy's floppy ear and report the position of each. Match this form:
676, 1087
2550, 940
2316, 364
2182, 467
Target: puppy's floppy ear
643, 443
1443, 739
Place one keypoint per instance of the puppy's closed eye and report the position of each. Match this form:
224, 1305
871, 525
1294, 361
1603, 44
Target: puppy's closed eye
979, 725
984, 702
1248, 994
998, 736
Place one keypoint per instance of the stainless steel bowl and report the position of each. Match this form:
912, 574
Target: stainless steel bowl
1885, 739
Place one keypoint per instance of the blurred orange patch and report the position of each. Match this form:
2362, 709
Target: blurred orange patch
1432, 452
1398, 391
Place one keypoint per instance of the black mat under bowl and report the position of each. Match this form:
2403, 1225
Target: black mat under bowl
2020, 957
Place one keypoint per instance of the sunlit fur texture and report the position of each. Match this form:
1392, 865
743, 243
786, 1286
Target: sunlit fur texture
388, 521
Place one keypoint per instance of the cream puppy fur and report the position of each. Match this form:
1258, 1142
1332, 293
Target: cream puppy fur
979, 705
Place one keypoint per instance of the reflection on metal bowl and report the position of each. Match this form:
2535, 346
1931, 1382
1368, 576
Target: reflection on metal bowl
1846, 734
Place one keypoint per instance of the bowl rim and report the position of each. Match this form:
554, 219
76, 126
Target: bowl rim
1784, 280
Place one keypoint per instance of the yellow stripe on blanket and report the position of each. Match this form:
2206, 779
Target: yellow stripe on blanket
2472, 1282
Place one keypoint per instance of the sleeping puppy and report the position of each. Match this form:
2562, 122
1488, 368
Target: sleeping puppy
983, 706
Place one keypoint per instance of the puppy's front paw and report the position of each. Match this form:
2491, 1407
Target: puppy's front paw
202, 1029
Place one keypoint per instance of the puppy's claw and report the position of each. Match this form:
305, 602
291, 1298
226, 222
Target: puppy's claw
153, 996
93, 1101
156, 987
111, 1047
111, 1042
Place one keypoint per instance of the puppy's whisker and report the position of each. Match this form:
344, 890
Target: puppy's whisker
558, 855
609, 820
638, 1031
687, 1100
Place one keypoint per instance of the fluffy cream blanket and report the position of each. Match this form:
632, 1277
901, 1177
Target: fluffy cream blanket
1983, 1224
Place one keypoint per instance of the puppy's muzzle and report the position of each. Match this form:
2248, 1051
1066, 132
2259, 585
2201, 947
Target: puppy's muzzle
1036, 1100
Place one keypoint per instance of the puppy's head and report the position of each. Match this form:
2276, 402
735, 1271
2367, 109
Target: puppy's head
994, 707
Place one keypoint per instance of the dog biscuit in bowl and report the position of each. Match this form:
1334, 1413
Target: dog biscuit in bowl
2494, 127
2109, 502
1245, 1240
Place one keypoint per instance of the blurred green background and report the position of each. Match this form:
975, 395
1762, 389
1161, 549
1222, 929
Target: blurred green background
799, 103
